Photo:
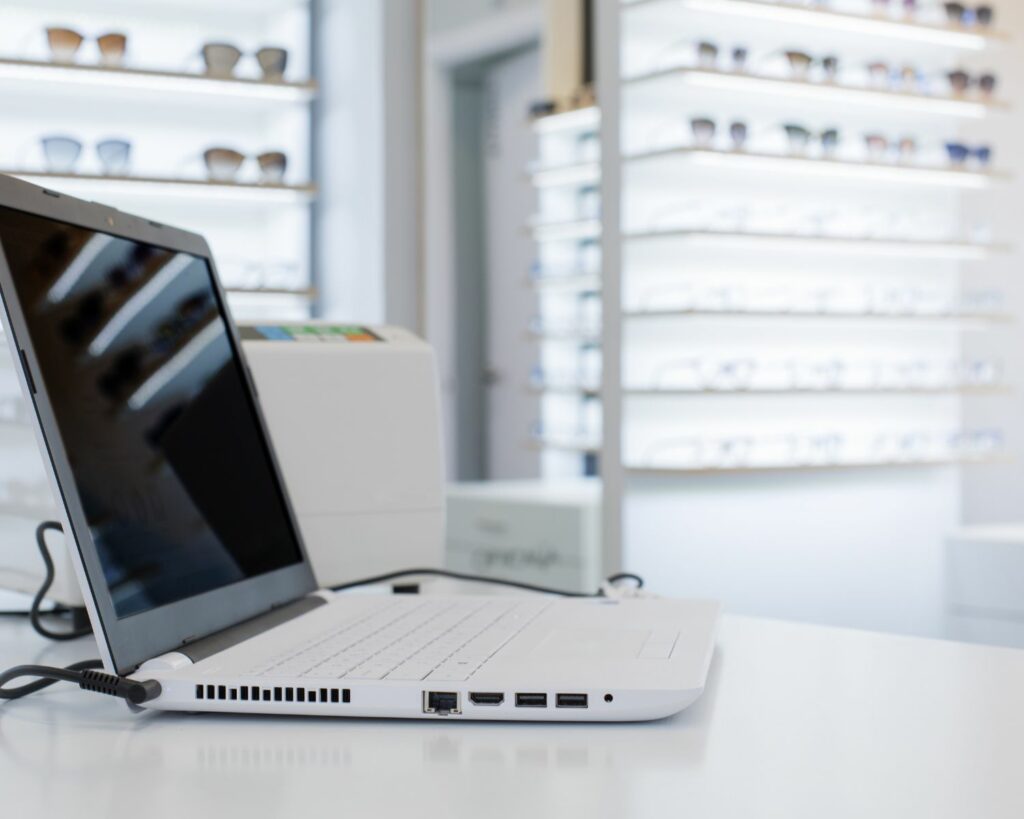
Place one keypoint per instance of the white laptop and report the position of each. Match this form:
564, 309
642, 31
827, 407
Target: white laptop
187, 548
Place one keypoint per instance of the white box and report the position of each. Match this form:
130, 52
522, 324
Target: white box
354, 415
985, 584
544, 532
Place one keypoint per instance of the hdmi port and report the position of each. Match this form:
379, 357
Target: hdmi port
479, 698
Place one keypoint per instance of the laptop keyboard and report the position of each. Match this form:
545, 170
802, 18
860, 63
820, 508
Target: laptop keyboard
410, 640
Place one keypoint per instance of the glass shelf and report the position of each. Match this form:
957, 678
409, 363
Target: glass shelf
659, 165
299, 292
26, 511
572, 336
153, 186
671, 392
576, 282
922, 463
670, 83
961, 251
667, 13
61, 77
565, 444
579, 120
573, 230
562, 176
984, 318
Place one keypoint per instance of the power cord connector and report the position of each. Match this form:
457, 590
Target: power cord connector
85, 674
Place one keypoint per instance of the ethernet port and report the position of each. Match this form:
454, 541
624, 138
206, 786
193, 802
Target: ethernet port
441, 703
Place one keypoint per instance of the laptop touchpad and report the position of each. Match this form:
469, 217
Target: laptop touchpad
617, 643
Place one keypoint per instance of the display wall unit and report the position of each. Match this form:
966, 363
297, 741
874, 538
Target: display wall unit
160, 98
791, 252
567, 279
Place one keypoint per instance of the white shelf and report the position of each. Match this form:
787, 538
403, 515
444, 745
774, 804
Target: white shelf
565, 389
923, 318
670, 83
579, 120
161, 187
578, 174
670, 392
166, 84
666, 12
575, 282
297, 292
565, 444
741, 240
660, 164
574, 230
921, 463
566, 336
26, 511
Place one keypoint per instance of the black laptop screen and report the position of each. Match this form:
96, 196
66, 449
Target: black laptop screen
158, 424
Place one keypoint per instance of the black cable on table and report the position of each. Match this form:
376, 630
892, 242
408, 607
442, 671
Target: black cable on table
35, 613
475, 578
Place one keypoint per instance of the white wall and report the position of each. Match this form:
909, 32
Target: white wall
366, 159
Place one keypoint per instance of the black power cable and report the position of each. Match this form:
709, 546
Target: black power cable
85, 674
475, 578
35, 613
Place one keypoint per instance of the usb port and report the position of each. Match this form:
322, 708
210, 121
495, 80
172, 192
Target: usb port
441, 703
570, 700
486, 698
531, 700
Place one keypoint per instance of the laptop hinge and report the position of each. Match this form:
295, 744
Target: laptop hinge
233, 635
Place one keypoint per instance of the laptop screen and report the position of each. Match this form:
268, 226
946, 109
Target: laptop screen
158, 424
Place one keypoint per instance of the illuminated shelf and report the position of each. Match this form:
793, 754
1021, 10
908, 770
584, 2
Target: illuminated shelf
665, 12
572, 282
166, 84
565, 389
671, 392
299, 292
985, 318
747, 240
921, 463
565, 444
664, 83
579, 174
579, 120
26, 511
660, 163
573, 230
155, 186
572, 336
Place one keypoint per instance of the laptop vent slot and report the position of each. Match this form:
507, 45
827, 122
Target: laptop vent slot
255, 693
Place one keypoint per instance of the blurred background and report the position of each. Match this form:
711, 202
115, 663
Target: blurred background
723, 292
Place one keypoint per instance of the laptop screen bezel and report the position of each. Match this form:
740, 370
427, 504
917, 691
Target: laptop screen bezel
129, 641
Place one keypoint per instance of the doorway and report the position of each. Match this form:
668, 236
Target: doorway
493, 145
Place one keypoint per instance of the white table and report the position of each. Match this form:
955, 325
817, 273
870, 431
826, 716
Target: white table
797, 721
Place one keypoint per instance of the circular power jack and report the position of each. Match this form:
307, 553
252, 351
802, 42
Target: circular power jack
608, 698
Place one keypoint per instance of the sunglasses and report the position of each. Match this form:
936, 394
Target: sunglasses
961, 81
878, 147
704, 130
223, 164
800, 64
222, 58
959, 153
65, 42
707, 56
960, 15
62, 153
799, 139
